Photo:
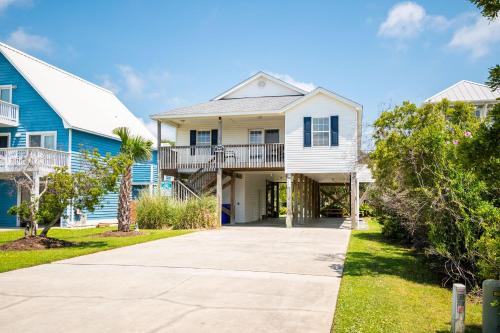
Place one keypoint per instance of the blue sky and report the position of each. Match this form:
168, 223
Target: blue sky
158, 55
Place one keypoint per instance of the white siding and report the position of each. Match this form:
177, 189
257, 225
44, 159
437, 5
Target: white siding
249, 189
365, 174
253, 89
234, 130
338, 159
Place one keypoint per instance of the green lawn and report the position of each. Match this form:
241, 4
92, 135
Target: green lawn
89, 242
387, 288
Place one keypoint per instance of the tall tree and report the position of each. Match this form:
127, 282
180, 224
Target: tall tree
133, 148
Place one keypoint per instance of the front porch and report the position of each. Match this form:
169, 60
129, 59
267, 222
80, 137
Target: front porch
42, 161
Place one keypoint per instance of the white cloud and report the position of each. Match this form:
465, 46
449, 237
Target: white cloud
106, 82
4, 4
29, 42
307, 86
408, 19
477, 37
133, 81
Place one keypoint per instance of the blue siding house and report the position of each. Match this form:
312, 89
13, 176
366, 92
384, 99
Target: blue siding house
47, 116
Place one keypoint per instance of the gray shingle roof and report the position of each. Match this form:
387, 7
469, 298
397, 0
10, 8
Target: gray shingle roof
232, 106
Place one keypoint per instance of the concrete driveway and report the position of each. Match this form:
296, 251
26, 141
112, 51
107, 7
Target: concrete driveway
238, 279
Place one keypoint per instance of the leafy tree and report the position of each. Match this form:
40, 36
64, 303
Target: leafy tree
494, 78
489, 8
431, 190
82, 189
133, 149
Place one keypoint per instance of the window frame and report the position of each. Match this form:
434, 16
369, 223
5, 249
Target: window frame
261, 130
209, 138
10, 88
328, 131
42, 135
8, 138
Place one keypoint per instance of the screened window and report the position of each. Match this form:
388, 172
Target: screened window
203, 138
321, 131
42, 140
6, 94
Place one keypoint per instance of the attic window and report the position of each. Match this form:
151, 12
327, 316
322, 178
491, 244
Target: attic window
261, 84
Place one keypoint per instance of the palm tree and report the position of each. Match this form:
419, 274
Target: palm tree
134, 148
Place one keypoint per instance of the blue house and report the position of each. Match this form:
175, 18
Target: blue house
47, 116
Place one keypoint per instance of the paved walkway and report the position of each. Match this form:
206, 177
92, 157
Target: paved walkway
239, 279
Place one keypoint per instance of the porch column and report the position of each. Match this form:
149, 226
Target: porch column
354, 201
289, 208
301, 198
158, 146
219, 131
295, 198
233, 207
219, 196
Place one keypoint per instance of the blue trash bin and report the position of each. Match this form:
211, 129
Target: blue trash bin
226, 219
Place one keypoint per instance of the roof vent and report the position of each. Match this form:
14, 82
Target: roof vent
261, 83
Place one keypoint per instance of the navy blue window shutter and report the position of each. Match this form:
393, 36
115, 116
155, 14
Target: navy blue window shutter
334, 130
192, 140
307, 131
215, 135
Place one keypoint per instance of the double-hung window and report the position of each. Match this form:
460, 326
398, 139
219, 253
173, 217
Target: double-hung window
6, 94
321, 131
203, 138
42, 140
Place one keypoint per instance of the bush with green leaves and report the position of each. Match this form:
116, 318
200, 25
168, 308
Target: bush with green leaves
436, 170
162, 212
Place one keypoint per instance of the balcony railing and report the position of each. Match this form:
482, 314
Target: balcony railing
14, 160
9, 114
262, 156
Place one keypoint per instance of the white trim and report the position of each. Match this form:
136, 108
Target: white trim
9, 143
42, 133
256, 76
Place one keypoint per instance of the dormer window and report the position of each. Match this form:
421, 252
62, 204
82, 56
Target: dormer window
6, 94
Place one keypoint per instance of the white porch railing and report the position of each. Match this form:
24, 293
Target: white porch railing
261, 156
13, 160
9, 114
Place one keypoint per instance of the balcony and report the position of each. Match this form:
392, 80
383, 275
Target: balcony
9, 114
41, 160
237, 157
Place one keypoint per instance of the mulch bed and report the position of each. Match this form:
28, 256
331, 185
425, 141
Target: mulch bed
35, 243
121, 233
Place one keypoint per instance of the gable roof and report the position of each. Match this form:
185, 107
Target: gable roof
326, 92
81, 104
234, 107
257, 76
466, 91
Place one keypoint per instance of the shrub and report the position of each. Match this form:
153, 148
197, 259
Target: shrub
436, 170
161, 212
365, 210
198, 213
157, 212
